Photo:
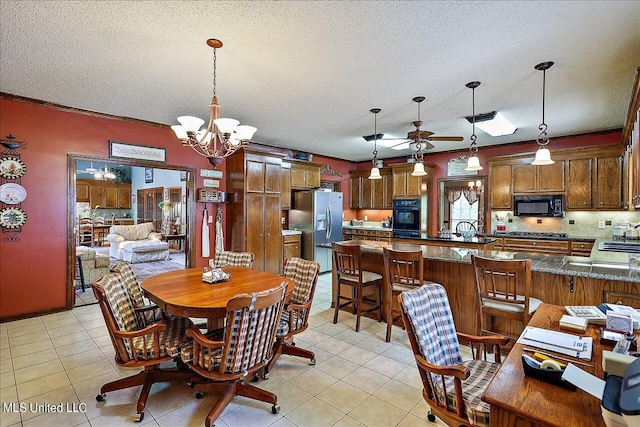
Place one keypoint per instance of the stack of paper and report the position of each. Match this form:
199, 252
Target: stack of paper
559, 342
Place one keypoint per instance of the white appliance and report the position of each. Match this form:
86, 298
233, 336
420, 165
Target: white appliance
318, 214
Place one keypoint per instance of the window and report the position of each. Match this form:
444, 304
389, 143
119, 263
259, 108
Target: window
461, 210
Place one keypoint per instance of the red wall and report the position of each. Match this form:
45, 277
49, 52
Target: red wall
33, 270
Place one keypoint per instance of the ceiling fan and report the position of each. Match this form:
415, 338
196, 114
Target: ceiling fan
422, 139
91, 170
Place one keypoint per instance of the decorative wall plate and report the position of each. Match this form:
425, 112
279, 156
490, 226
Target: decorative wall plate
12, 194
12, 167
12, 217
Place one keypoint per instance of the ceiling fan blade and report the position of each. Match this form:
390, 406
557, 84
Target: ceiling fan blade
445, 138
424, 145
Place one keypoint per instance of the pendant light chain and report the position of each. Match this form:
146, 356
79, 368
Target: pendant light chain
419, 156
473, 148
542, 140
214, 71
375, 112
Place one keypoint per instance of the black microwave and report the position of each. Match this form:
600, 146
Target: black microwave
551, 205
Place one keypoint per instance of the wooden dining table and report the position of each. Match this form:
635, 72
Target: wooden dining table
183, 293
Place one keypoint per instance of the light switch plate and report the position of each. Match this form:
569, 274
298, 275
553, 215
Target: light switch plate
600, 224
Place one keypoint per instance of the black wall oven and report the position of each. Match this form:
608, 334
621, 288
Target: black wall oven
406, 218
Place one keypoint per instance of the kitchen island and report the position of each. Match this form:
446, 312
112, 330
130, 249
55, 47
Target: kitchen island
560, 280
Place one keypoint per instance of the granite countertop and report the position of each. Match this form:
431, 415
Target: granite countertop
290, 232
555, 238
478, 240
554, 264
366, 227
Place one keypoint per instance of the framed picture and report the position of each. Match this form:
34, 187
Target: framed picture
183, 175
148, 175
166, 194
125, 150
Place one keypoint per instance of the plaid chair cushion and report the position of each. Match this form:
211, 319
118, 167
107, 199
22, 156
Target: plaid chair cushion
171, 339
186, 351
283, 326
135, 294
481, 373
119, 302
233, 259
303, 273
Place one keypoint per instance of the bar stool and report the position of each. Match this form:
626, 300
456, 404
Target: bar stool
503, 291
348, 261
404, 272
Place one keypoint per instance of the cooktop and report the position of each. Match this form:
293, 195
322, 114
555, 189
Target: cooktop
536, 234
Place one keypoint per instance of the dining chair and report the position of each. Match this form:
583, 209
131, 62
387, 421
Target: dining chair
233, 259
100, 232
245, 347
452, 388
465, 226
137, 345
349, 273
85, 232
504, 288
404, 272
295, 315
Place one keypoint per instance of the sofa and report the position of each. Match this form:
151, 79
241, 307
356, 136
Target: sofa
137, 243
94, 265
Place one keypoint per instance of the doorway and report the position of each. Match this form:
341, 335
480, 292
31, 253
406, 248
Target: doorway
117, 203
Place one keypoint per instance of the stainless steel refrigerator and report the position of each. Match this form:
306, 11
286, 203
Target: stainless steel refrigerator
318, 214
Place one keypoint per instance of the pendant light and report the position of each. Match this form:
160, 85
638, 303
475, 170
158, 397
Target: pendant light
473, 163
543, 156
418, 167
375, 171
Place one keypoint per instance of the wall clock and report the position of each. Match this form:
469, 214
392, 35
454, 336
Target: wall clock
12, 217
12, 167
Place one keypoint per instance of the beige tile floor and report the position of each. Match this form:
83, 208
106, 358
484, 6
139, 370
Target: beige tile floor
62, 359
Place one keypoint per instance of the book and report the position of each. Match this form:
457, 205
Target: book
573, 323
589, 312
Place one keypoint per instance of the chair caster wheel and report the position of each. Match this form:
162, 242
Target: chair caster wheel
100, 397
255, 378
199, 395
265, 375
313, 362
431, 418
275, 408
138, 417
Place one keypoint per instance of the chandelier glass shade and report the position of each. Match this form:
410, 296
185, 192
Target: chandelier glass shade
104, 173
375, 171
418, 167
473, 163
543, 156
222, 136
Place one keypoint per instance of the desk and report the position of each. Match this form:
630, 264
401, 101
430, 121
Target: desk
519, 400
178, 237
183, 293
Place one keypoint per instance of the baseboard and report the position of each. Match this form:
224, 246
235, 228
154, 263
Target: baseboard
4, 319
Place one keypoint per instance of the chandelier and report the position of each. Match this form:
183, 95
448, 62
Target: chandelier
375, 170
104, 173
473, 163
543, 156
222, 136
476, 187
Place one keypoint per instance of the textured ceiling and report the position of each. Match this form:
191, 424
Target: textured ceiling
306, 74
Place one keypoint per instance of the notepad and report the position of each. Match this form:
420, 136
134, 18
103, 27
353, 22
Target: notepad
559, 342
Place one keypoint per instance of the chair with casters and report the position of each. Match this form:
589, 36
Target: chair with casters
295, 315
232, 259
504, 288
452, 388
223, 360
348, 261
404, 272
137, 345
147, 312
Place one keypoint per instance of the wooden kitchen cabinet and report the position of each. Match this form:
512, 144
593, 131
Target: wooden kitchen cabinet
106, 194
609, 183
382, 190
553, 247
500, 192
407, 185
580, 248
631, 138
528, 178
285, 186
355, 181
290, 246
253, 214
579, 184
124, 197
82, 191
304, 175
110, 198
